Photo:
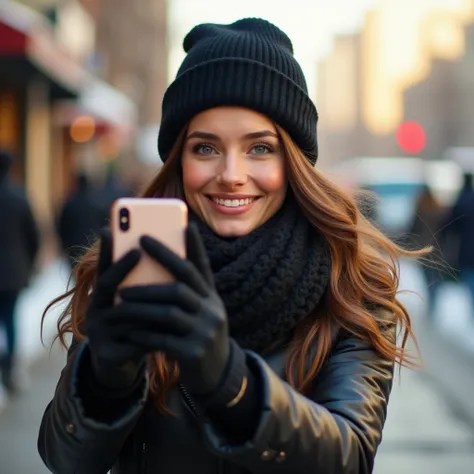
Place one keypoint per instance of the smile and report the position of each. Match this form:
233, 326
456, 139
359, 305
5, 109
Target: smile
232, 202
230, 205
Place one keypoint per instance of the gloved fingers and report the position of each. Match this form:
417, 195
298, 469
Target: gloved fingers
115, 350
196, 253
184, 271
109, 281
176, 347
105, 252
171, 294
167, 319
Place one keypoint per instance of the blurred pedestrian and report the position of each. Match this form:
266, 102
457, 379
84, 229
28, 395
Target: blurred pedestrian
19, 244
424, 232
80, 220
111, 190
458, 234
274, 350
368, 201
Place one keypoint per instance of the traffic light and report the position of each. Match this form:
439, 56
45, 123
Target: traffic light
411, 137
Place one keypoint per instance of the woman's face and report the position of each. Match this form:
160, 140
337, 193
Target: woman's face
233, 169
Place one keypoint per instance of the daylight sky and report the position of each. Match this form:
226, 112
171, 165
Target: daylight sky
311, 24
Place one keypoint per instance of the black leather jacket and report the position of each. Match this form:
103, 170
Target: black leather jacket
335, 431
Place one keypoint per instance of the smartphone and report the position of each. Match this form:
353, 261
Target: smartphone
163, 219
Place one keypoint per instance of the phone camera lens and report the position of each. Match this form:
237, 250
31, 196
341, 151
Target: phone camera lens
124, 219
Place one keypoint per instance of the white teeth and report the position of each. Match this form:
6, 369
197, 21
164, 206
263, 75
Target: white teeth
233, 202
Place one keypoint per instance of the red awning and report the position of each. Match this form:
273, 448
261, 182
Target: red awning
26, 35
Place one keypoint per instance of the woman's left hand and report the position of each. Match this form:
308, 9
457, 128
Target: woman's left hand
187, 319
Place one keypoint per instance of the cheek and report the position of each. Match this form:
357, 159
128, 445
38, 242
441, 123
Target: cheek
271, 179
195, 175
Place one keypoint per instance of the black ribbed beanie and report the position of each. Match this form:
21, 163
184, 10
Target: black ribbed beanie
248, 63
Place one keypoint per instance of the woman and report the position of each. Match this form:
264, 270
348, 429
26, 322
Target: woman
274, 351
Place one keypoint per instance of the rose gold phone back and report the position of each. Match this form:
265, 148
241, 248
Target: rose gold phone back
163, 219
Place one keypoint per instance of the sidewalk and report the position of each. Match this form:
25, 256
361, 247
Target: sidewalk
422, 434
19, 424
453, 314
446, 339
46, 286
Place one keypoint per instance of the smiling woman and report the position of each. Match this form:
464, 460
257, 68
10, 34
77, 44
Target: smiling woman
233, 169
274, 350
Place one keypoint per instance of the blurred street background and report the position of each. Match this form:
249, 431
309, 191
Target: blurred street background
81, 83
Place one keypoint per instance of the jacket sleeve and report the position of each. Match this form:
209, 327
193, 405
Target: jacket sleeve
69, 441
336, 431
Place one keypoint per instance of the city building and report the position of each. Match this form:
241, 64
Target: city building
342, 132
36, 73
338, 98
380, 64
131, 53
443, 103
56, 115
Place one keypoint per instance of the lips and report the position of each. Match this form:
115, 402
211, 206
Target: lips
232, 202
232, 205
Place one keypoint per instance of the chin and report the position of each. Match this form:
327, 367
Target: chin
232, 229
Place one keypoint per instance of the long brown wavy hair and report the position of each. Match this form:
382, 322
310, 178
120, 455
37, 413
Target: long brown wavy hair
364, 276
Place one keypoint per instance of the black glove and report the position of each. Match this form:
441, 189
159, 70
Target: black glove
116, 363
187, 319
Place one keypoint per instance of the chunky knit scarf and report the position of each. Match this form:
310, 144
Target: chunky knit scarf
271, 278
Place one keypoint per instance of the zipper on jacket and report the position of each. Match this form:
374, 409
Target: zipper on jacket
143, 458
189, 401
142, 447
194, 410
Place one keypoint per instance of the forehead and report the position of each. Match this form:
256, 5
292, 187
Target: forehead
236, 121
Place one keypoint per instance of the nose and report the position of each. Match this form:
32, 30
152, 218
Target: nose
233, 172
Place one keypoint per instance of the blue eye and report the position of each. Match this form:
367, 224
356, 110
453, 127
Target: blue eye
204, 149
261, 149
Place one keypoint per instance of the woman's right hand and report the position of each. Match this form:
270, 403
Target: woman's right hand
115, 362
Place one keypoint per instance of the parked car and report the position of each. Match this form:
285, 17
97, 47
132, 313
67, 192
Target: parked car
397, 183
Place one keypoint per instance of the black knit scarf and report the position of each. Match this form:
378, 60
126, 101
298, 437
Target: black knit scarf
271, 278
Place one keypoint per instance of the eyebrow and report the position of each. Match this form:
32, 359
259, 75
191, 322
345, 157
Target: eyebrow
248, 136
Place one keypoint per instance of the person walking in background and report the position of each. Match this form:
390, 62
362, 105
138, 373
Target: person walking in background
458, 234
80, 220
19, 245
424, 231
111, 190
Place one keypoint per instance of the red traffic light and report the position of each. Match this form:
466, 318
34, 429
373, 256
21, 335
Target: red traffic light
411, 137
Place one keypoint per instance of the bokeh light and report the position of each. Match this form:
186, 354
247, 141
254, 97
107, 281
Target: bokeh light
411, 137
82, 129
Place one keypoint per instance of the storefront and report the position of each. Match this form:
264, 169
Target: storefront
54, 116
35, 73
